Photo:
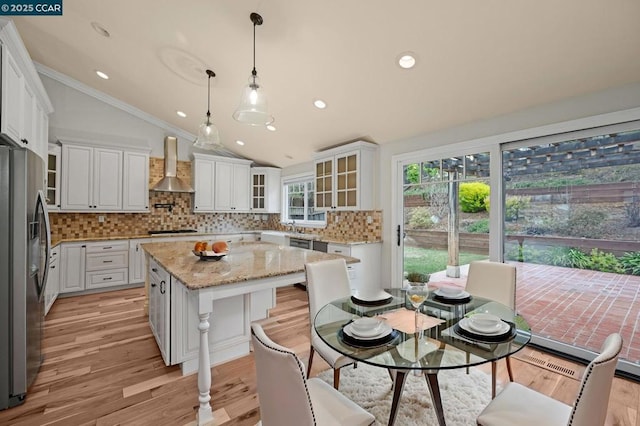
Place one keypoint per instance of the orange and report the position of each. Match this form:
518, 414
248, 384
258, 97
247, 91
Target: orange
220, 247
200, 246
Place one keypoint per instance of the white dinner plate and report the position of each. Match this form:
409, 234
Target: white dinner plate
462, 295
501, 328
384, 330
374, 296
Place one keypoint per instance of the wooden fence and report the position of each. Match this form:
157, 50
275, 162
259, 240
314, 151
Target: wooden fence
479, 243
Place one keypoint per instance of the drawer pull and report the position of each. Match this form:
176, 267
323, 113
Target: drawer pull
107, 261
338, 251
107, 278
107, 248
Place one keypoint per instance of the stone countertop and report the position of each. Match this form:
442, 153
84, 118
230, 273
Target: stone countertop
245, 262
316, 237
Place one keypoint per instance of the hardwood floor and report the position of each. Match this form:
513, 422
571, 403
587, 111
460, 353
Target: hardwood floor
102, 367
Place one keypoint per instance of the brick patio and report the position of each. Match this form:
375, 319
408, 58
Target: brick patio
577, 307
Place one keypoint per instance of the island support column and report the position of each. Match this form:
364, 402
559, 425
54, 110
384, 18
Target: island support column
205, 415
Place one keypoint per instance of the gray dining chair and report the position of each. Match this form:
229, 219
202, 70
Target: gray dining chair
327, 280
288, 398
495, 281
519, 405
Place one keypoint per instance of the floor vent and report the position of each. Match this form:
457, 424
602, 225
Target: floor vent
549, 364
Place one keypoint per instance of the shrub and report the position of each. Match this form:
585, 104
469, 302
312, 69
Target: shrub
631, 262
585, 224
514, 205
420, 218
417, 277
472, 196
605, 262
479, 226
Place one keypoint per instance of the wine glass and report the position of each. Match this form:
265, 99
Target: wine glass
417, 294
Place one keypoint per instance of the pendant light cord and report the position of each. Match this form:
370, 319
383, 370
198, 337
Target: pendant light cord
254, 73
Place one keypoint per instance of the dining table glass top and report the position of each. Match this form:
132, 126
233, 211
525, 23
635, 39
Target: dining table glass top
442, 339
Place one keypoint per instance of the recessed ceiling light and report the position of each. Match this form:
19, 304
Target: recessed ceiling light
102, 75
181, 114
407, 60
320, 104
271, 128
100, 29
240, 143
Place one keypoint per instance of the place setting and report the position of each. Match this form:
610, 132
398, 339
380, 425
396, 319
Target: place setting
451, 295
371, 298
486, 328
367, 332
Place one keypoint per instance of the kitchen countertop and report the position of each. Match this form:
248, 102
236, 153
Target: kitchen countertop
245, 262
202, 235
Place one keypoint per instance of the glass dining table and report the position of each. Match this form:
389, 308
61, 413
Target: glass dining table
436, 339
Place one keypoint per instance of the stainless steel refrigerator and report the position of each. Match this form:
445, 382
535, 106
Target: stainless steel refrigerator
24, 261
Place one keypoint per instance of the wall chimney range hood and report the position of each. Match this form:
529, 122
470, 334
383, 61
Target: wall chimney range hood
170, 181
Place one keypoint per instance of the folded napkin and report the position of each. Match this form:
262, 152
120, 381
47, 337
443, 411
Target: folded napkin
404, 320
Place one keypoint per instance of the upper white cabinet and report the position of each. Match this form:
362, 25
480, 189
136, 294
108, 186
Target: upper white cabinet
232, 186
103, 179
221, 184
345, 177
135, 185
53, 177
24, 104
266, 188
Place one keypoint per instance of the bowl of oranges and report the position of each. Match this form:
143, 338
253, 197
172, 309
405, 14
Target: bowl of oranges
214, 251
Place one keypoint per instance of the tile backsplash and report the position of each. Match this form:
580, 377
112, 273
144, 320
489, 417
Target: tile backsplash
341, 226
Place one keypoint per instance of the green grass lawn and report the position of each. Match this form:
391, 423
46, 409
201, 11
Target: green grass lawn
428, 261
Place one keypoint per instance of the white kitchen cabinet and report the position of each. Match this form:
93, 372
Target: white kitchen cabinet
366, 274
232, 186
12, 97
137, 261
107, 264
135, 194
24, 103
53, 280
266, 189
221, 184
203, 175
53, 177
345, 177
160, 308
72, 267
91, 178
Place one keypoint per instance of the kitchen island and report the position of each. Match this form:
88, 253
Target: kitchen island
189, 296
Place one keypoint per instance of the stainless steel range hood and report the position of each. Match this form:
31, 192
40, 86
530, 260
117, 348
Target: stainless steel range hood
170, 181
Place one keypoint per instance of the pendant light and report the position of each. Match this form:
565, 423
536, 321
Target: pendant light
253, 104
208, 136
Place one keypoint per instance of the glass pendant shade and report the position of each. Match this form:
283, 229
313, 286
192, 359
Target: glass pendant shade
208, 136
253, 105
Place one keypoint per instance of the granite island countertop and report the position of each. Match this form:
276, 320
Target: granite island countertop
246, 261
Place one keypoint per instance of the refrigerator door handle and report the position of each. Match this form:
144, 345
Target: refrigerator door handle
41, 207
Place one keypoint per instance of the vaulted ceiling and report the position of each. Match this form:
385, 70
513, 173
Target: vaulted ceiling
475, 60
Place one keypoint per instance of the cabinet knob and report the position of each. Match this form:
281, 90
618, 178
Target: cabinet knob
154, 269
153, 284
24, 141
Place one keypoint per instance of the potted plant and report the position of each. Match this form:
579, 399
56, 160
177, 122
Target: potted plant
416, 278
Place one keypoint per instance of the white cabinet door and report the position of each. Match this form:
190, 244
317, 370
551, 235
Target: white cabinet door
77, 179
107, 179
12, 93
160, 308
266, 189
137, 262
72, 267
232, 187
136, 182
203, 178
28, 118
53, 280
53, 178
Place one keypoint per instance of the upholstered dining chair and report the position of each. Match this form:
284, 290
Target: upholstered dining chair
519, 405
327, 280
287, 398
495, 281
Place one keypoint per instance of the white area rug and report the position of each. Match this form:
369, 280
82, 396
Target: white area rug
463, 396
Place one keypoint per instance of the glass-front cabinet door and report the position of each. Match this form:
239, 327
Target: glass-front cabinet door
53, 177
324, 184
347, 180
